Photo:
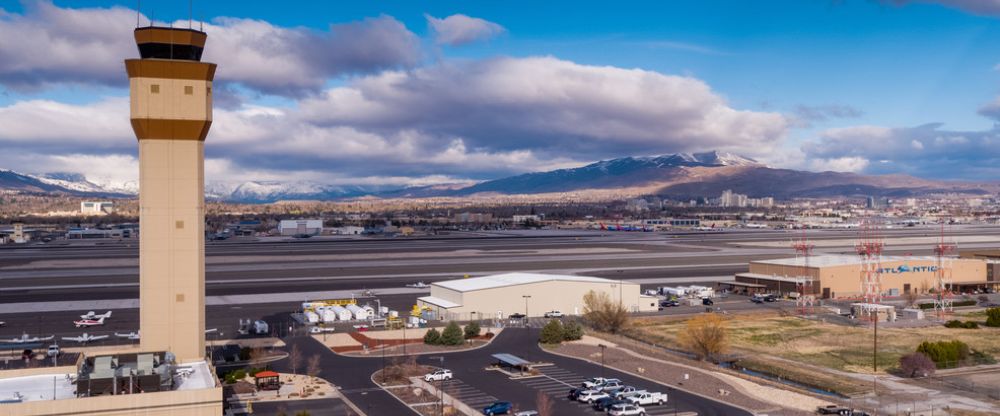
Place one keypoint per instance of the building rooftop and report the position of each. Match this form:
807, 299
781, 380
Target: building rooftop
447, 304
830, 260
37, 387
512, 279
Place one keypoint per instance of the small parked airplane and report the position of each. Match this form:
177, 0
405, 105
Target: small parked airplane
26, 339
93, 316
85, 338
419, 285
185, 371
134, 336
89, 322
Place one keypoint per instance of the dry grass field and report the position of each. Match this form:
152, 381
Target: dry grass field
828, 345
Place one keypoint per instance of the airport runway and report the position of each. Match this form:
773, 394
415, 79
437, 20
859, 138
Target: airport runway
91, 271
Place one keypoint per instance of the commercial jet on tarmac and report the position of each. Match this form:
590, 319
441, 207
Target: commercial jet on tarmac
89, 322
85, 338
26, 339
93, 316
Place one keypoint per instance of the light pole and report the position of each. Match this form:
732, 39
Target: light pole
602, 347
526, 297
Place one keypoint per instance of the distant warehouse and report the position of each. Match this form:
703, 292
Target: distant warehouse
499, 296
293, 227
839, 276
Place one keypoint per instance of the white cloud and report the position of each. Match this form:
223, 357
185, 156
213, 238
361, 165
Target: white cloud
549, 105
840, 164
88, 45
991, 109
101, 124
459, 29
981, 7
925, 151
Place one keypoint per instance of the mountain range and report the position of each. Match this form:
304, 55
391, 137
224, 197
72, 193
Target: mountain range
680, 176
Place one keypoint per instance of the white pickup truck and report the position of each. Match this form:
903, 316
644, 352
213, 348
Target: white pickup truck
648, 398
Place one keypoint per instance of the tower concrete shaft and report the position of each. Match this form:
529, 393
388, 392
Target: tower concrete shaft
171, 112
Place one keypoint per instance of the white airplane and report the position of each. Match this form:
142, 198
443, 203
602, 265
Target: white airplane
26, 339
134, 336
185, 371
211, 331
89, 322
85, 338
93, 316
419, 285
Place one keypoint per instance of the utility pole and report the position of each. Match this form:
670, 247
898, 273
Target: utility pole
526, 297
602, 347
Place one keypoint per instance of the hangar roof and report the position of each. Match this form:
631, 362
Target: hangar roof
511, 279
830, 260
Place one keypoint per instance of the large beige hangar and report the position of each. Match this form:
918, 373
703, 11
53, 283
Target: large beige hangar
498, 296
839, 276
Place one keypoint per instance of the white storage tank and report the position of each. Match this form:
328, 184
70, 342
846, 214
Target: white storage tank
312, 317
342, 313
328, 314
358, 312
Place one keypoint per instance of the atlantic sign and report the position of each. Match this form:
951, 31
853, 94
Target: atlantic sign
907, 269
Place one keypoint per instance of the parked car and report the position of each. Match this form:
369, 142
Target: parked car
757, 299
627, 391
669, 303
770, 298
605, 404
438, 375
517, 316
626, 410
553, 314
593, 382
320, 329
575, 393
707, 301
648, 398
611, 385
591, 396
527, 413
498, 408
832, 410
53, 351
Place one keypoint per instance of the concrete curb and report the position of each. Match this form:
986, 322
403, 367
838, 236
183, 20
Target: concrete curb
653, 381
373, 355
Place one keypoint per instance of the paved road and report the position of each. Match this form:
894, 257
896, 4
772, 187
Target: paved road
480, 386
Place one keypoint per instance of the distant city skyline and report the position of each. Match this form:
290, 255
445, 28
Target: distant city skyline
404, 93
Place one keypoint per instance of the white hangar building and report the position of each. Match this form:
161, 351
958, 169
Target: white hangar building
498, 296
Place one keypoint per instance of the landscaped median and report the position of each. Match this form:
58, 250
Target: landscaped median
398, 342
402, 378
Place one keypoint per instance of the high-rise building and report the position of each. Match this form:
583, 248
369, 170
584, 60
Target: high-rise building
171, 107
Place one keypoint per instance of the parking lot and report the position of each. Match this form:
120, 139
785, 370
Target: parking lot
467, 394
556, 382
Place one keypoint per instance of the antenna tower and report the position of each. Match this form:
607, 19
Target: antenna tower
943, 275
869, 247
804, 282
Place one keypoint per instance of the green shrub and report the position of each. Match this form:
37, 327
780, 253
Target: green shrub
235, 375
945, 354
963, 325
452, 335
472, 330
572, 331
993, 317
432, 337
552, 333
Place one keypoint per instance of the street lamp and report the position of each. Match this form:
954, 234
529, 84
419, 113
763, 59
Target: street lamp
526, 297
602, 347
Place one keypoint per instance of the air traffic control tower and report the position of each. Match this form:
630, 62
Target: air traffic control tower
171, 107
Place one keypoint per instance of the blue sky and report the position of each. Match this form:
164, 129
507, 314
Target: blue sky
509, 87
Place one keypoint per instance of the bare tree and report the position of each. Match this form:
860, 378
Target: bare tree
911, 297
705, 335
313, 367
604, 314
543, 404
295, 358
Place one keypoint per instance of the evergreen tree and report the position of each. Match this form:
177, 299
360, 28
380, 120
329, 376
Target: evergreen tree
432, 337
452, 335
552, 333
472, 330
